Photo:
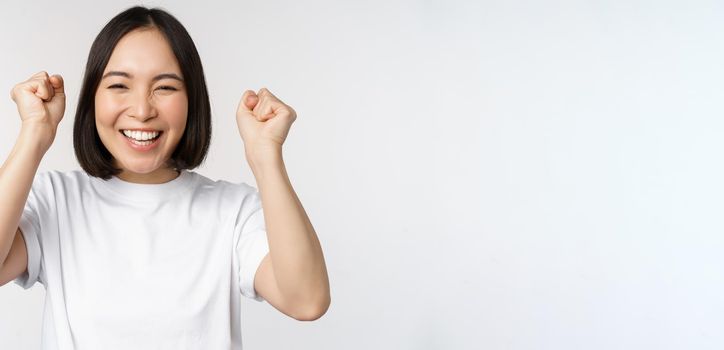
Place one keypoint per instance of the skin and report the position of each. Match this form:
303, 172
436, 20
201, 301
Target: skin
137, 101
293, 276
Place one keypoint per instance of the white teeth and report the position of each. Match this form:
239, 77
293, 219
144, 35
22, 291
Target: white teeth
141, 143
140, 135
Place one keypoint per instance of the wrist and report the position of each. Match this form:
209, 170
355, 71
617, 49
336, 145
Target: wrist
262, 160
37, 134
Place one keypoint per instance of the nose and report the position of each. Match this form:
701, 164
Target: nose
142, 107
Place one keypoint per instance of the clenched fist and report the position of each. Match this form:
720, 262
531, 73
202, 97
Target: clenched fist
41, 104
264, 122
40, 99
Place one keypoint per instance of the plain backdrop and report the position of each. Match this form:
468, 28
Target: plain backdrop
481, 175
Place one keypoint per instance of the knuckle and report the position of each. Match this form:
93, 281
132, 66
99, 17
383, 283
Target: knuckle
39, 75
15, 91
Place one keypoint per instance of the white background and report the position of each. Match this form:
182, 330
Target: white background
482, 175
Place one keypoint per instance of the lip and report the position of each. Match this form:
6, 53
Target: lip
139, 147
147, 130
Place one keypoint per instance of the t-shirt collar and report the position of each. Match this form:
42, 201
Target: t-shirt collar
148, 192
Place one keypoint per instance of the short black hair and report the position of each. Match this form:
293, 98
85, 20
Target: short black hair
193, 146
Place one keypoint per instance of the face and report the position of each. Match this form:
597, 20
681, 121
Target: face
141, 107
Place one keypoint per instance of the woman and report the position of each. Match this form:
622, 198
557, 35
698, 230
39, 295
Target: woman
136, 251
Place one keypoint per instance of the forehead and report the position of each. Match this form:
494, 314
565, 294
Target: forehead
143, 53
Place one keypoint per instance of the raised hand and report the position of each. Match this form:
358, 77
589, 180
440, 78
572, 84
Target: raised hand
41, 99
264, 122
41, 104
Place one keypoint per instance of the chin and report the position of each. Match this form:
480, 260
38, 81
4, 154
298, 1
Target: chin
141, 169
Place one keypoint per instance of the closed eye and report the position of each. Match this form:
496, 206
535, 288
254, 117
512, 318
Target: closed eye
164, 87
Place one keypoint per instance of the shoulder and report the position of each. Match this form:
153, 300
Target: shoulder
238, 189
230, 192
233, 200
57, 179
49, 185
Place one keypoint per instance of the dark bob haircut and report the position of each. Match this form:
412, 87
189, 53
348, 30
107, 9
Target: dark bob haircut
191, 150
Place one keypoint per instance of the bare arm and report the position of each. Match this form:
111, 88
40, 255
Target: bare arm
41, 105
293, 276
16, 178
16, 262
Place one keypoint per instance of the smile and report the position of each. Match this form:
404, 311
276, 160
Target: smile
141, 135
141, 140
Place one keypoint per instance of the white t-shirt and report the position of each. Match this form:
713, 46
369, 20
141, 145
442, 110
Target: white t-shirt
142, 266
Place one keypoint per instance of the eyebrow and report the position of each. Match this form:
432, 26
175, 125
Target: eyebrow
156, 78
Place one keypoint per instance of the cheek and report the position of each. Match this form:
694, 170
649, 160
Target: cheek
105, 110
176, 111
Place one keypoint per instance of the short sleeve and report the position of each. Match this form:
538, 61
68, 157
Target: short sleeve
30, 229
252, 245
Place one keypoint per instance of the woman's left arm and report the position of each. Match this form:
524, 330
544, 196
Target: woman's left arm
293, 276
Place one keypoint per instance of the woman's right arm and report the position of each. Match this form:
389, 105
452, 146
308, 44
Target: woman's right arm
41, 104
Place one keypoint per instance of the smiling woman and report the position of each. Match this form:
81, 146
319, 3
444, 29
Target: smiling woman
142, 89
137, 251
143, 73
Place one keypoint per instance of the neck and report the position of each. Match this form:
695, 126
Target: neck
158, 176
